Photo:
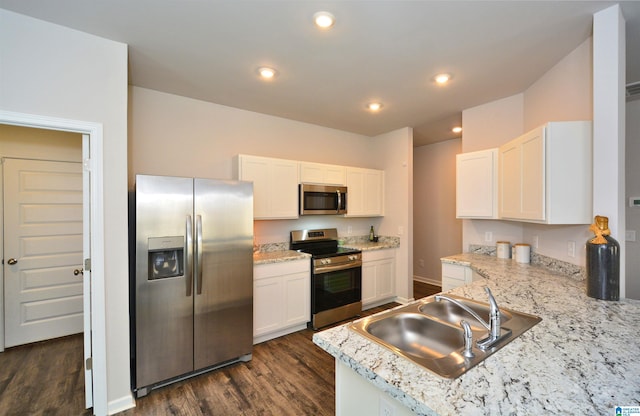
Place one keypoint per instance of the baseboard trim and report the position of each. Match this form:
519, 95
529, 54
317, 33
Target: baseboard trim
427, 280
121, 404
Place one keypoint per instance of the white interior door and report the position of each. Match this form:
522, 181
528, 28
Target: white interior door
43, 245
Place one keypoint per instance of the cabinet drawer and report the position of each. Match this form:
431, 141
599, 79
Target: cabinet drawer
454, 271
263, 271
371, 255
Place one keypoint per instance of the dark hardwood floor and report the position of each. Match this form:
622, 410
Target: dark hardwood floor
420, 290
287, 376
43, 378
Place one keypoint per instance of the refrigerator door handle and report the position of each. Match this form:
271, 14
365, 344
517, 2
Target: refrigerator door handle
198, 265
188, 249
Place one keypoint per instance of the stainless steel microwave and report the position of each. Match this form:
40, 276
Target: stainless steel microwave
322, 199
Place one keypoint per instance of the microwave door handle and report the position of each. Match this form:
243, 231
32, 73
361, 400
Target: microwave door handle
189, 250
339, 201
198, 254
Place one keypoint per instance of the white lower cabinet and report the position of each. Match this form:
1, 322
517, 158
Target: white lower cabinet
455, 275
281, 299
355, 395
378, 277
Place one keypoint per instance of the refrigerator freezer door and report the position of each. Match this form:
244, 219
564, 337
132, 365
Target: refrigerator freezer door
223, 299
164, 335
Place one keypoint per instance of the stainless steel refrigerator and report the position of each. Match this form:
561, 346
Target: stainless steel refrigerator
191, 277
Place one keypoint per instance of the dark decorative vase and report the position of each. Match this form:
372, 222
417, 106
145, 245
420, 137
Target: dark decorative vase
603, 263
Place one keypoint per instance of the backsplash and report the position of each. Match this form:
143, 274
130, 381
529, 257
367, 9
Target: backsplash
558, 266
360, 239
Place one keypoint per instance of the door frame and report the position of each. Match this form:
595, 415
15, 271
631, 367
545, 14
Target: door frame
98, 300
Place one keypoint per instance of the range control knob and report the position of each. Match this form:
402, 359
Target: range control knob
353, 257
325, 261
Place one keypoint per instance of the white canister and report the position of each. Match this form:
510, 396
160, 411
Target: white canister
523, 253
503, 249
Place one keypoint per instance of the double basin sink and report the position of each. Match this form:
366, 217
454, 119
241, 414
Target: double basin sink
429, 333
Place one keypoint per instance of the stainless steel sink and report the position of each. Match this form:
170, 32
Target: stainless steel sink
453, 314
429, 333
417, 335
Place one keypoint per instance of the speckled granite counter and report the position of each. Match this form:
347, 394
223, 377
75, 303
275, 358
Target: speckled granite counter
363, 243
582, 359
279, 252
266, 257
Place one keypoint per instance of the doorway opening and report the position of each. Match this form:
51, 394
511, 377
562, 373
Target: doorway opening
94, 312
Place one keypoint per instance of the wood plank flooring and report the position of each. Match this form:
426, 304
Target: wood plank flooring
421, 290
43, 378
287, 376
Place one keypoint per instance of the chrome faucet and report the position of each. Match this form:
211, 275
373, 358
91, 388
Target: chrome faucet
495, 333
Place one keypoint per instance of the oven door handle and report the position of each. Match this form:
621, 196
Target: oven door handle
335, 267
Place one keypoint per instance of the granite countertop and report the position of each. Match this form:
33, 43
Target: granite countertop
582, 358
279, 252
267, 257
363, 243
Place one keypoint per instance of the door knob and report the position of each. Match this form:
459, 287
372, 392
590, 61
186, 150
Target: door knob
77, 272
12, 261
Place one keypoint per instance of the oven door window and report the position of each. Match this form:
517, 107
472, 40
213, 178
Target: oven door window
335, 289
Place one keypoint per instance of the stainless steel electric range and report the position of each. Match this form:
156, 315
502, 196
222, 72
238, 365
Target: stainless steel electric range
336, 276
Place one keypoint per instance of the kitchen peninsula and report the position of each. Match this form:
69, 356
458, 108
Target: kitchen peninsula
582, 358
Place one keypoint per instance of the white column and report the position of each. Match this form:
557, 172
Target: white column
609, 124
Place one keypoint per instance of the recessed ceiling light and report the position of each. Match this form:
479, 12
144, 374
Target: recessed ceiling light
374, 106
267, 73
442, 79
324, 20
457, 129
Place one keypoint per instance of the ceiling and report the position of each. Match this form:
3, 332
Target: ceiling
386, 50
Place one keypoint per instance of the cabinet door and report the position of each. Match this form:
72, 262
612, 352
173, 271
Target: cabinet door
322, 173
256, 170
476, 184
368, 283
365, 192
533, 175
297, 293
283, 191
275, 186
378, 276
385, 283
268, 308
510, 182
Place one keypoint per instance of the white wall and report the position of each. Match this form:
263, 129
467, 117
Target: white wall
53, 71
437, 232
174, 135
394, 153
609, 67
633, 190
563, 93
484, 127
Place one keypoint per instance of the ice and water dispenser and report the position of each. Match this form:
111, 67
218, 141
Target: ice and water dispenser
166, 257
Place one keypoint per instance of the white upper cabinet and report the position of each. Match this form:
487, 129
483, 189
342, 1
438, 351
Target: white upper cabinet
275, 186
545, 175
477, 184
322, 174
365, 192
